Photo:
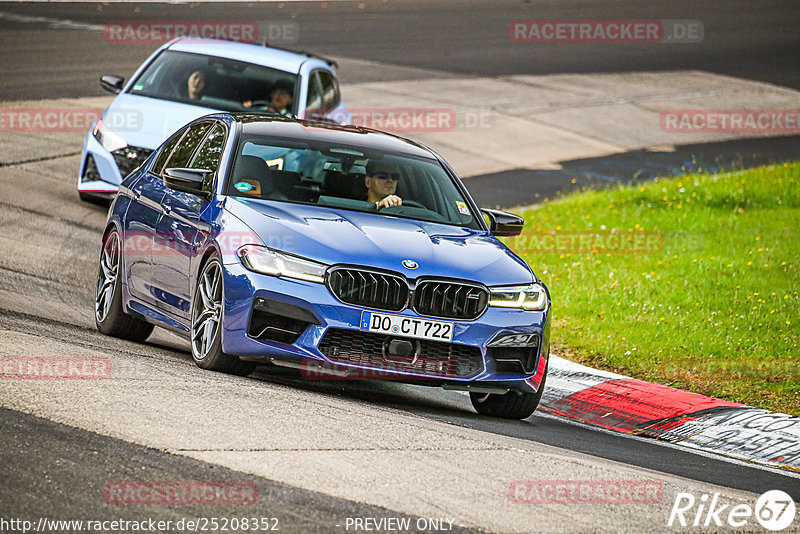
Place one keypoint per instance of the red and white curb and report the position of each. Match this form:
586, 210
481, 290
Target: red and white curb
632, 406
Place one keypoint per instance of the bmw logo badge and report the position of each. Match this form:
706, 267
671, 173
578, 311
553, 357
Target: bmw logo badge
410, 264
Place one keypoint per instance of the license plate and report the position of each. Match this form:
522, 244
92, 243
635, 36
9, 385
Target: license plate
405, 326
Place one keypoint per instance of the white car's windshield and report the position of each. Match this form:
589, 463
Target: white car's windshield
347, 177
217, 83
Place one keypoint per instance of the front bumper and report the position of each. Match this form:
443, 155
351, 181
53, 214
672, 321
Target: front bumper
321, 314
99, 174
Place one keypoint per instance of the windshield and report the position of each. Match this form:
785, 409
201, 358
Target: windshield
347, 177
217, 83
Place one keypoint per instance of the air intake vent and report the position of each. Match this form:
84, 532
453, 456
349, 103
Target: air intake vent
435, 359
272, 320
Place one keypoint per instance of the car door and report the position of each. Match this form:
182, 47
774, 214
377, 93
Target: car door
179, 228
140, 224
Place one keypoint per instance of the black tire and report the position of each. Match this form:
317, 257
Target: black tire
109, 317
511, 405
206, 330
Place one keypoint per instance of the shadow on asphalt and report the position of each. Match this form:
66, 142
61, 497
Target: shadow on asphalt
523, 187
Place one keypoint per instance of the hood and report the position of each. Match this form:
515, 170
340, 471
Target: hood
336, 236
146, 122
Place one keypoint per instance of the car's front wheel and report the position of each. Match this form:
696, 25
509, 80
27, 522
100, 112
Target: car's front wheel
109, 317
207, 315
511, 405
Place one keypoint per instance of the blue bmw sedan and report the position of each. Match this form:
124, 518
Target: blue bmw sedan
337, 250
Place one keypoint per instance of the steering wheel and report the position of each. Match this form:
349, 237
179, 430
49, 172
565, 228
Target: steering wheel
263, 104
413, 204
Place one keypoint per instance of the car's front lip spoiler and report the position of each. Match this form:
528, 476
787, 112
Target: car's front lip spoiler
344, 372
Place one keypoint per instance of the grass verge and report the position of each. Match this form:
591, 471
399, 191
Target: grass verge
690, 282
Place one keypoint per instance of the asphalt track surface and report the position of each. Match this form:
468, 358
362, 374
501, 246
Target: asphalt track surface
77, 464
742, 38
46, 289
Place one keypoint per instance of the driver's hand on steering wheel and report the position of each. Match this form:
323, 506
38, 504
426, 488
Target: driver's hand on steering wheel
391, 200
262, 104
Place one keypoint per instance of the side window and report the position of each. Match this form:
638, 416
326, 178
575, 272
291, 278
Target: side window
314, 100
210, 152
330, 90
189, 142
166, 151
209, 155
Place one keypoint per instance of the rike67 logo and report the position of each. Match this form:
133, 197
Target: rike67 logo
774, 510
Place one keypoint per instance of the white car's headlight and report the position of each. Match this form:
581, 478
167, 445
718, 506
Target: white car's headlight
263, 260
531, 297
110, 140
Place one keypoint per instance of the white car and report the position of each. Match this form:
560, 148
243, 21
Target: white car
188, 78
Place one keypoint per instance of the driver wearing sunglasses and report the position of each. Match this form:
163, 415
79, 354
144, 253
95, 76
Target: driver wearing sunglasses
381, 181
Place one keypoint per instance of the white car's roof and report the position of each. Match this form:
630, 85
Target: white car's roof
250, 53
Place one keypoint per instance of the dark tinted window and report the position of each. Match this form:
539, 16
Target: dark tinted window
189, 142
166, 151
209, 154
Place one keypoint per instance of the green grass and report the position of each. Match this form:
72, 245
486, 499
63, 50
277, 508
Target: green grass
711, 305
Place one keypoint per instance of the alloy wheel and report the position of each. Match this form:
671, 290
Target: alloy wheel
107, 277
207, 310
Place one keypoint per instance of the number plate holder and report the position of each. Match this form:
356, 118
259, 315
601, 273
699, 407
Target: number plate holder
406, 326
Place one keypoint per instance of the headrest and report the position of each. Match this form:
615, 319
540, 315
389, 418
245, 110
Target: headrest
253, 170
250, 167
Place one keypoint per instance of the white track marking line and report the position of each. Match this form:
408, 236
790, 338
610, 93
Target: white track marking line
60, 24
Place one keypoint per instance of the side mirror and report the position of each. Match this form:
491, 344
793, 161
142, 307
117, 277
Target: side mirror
503, 224
188, 181
112, 84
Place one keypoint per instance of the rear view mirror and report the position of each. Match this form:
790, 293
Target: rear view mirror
112, 84
503, 224
188, 180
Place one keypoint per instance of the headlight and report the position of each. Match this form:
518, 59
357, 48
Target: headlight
110, 140
532, 297
266, 261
